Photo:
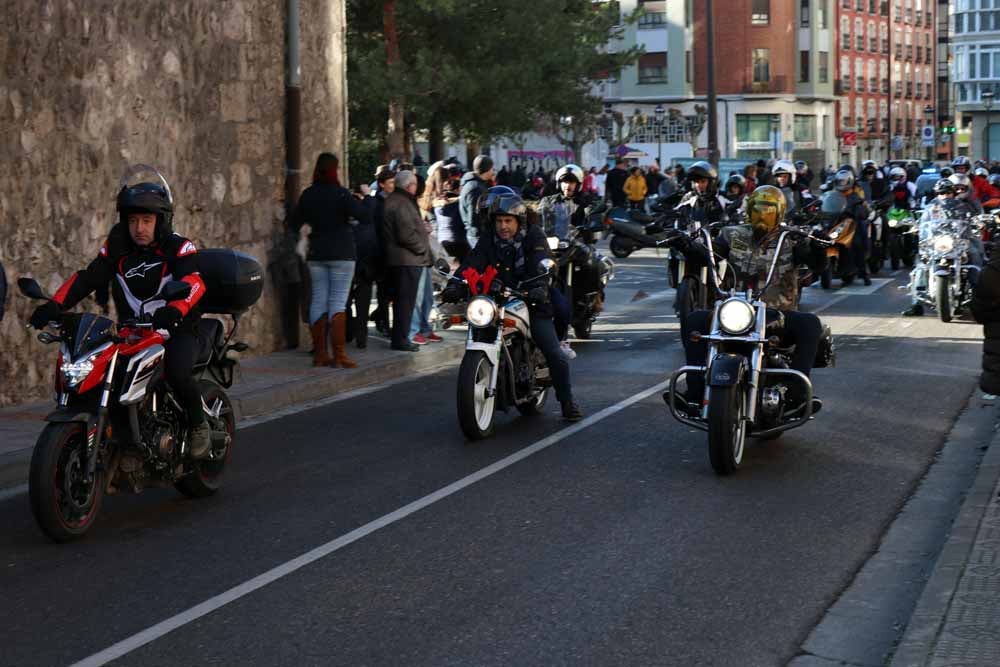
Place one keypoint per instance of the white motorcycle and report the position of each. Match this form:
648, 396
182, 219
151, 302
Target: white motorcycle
502, 367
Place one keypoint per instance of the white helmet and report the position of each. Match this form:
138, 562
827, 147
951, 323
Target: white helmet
568, 170
981, 171
897, 174
962, 185
784, 167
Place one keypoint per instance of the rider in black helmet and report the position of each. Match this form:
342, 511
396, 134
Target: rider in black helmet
703, 204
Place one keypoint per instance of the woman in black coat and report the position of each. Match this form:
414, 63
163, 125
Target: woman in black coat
986, 310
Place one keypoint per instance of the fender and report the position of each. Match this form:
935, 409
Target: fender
727, 370
67, 415
492, 351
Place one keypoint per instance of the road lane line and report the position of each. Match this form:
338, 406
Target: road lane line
14, 492
168, 625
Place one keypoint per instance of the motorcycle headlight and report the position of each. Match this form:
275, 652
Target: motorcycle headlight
893, 222
736, 316
481, 312
944, 244
74, 373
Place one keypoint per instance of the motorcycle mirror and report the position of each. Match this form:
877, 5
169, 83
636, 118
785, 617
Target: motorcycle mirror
442, 265
30, 288
175, 290
546, 265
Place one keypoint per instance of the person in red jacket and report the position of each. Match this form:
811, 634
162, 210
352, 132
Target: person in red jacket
987, 194
142, 254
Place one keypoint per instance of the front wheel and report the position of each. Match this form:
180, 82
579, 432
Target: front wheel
726, 428
205, 478
64, 502
620, 248
582, 329
942, 299
476, 404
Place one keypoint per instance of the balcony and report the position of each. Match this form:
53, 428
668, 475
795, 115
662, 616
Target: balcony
885, 47
653, 20
899, 89
872, 85
859, 85
885, 125
928, 56
928, 19
919, 16
884, 8
777, 84
873, 45
885, 86
899, 51
908, 54
859, 42
845, 42
870, 125
839, 86
920, 53
909, 89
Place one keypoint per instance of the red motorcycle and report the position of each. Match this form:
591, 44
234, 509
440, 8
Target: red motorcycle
118, 426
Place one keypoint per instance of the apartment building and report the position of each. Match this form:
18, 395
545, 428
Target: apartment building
975, 53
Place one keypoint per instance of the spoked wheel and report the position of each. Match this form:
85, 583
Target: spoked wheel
64, 502
727, 429
619, 247
206, 476
476, 407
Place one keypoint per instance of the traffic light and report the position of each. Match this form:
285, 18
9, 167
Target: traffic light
948, 129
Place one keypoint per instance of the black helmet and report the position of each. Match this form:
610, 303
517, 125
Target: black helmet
868, 168
509, 204
147, 197
738, 181
944, 186
946, 172
702, 169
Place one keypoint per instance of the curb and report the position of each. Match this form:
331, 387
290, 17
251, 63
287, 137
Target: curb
921, 636
250, 402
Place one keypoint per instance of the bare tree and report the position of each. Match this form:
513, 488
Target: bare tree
395, 128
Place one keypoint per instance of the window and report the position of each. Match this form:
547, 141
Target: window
845, 33
859, 34
803, 67
653, 67
859, 112
760, 12
821, 14
804, 10
804, 128
761, 59
872, 6
654, 15
753, 127
860, 5
824, 67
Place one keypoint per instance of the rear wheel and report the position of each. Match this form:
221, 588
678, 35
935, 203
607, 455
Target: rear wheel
620, 248
534, 407
206, 476
476, 407
64, 502
726, 428
582, 329
942, 300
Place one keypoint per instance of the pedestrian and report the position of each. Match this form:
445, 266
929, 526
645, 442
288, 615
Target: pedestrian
986, 309
615, 183
327, 207
407, 252
750, 174
653, 179
503, 176
599, 180
474, 183
518, 178
635, 189
369, 268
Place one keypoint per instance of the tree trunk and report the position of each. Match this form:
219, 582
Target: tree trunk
435, 140
471, 151
394, 133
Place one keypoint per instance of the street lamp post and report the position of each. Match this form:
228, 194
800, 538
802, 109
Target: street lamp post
660, 112
609, 121
567, 123
929, 112
987, 97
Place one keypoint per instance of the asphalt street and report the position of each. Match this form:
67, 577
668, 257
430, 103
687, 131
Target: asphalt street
613, 545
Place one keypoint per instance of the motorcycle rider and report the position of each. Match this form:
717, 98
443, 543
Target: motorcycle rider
142, 253
565, 209
963, 193
515, 249
904, 193
871, 181
784, 174
857, 208
735, 193
750, 248
961, 165
703, 205
987, 194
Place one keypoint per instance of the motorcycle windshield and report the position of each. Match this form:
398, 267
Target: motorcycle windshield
939, 219
91, 331
834, 202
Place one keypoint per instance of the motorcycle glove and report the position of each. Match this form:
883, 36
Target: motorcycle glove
166, 318
538, 294
50, 311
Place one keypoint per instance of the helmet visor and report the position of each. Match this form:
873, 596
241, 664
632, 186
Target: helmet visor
764, 217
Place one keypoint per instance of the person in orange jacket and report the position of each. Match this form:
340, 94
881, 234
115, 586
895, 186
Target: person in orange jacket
635, 188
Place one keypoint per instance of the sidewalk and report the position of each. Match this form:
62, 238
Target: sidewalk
957, 620
265, 384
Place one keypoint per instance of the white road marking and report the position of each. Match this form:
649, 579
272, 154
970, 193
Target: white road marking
835, 300
210, 605
14, 492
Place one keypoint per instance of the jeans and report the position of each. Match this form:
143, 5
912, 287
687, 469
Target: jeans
424, 305
331, 283
562, 312
543, 332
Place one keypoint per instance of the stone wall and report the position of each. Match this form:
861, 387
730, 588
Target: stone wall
194, 88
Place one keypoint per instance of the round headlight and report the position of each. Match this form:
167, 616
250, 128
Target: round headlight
481, 312
944, 244
736, 316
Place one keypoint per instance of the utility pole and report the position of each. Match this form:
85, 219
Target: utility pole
293, 108
713, 118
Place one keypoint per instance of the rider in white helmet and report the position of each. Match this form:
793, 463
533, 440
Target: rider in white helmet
904, 193
565, 209
784, 174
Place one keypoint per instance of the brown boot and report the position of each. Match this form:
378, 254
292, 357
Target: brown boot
319, 330
338, 334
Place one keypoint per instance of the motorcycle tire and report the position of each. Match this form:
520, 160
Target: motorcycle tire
826, 278
686, 301
910, 261
727, 428
535, 407
476, 412
874, 265
620, 248
942, 301
64, 505
206, 475
895, 252
582, 329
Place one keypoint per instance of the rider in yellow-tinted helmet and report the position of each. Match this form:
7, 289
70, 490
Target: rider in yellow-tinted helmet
765, 210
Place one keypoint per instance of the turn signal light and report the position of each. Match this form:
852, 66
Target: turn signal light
509, 323
695, 336
456, 319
